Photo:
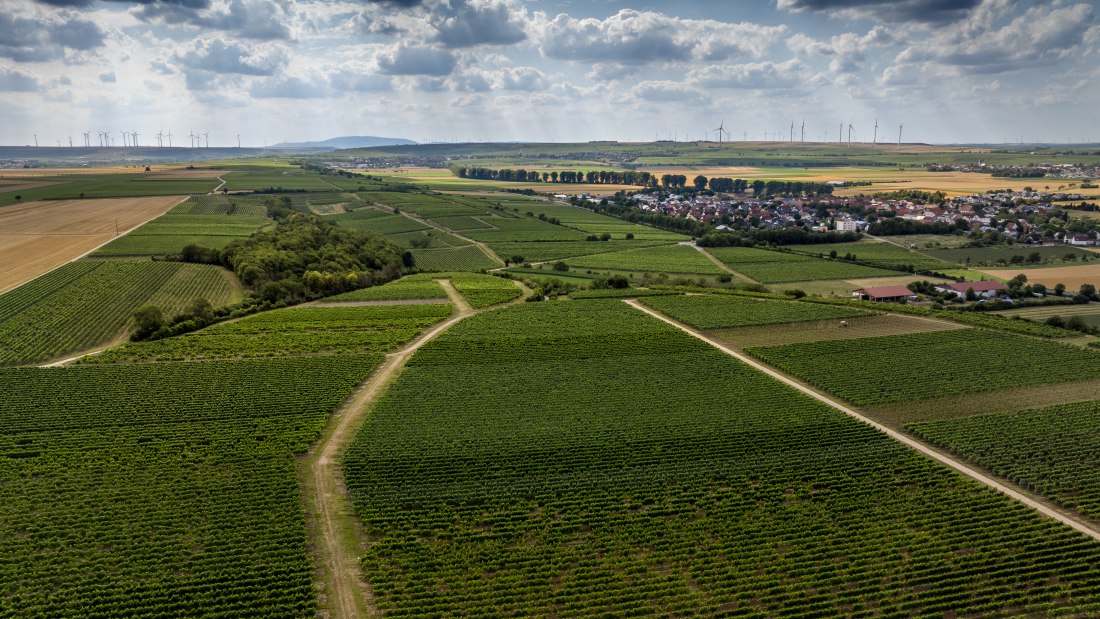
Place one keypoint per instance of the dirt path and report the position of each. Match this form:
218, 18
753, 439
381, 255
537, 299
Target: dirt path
215, 190
957, 465
721, 265
335, 526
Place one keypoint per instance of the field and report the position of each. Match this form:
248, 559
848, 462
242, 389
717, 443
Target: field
400, 290
1089, 312
773, 267
595, 223
250, 205
523, 229
1072, 276
478, 289
540, 251
468, 258
287, 332
901, 368
663, 259
162, 489
823, 330
87, 303
386, 224
725, 311
200, 221
886, 254
1052, 451
1052, 254
104, 186
38, 236
484, 492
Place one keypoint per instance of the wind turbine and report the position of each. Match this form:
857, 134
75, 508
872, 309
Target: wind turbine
124, 141
87, 139
238, 140
36, 140
160, 138
721, 128
135, 135
792, 133
849, 135
875, 139
169, 139
70, 141
803, 131
206, 134
193, 138
899, 136
840, 135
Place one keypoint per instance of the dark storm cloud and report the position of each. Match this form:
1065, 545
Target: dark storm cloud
37, 40
926, 11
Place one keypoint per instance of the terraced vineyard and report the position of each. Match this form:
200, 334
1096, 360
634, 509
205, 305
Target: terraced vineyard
86, 303
663, 259
161, 490
1053, 451
919, 366
724, 311
773, 267
287, 332
484, 492
468, 258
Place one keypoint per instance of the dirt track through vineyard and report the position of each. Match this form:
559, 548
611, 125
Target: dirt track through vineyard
336, 535
957, 465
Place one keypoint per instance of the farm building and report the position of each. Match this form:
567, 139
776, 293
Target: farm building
883, 293
983, 288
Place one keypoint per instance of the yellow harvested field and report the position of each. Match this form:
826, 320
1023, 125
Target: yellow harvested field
1072, 277
38, 236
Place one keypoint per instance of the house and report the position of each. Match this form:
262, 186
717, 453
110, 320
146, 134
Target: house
985, 289
883, 293
1080, 239
846, 226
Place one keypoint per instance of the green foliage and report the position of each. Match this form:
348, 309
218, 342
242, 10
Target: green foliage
652, 473
162, 489
725, 311
83, 304
1053, 451
898, 368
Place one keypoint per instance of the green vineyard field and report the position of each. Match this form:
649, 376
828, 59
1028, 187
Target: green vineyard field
647, 473
663, 259
724, 311
468, 258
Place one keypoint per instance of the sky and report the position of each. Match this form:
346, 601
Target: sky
946, 71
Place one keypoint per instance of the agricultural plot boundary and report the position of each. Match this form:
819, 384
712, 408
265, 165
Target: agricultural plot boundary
957, 465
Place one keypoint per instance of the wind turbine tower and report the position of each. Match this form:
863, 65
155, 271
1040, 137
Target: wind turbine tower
160, 138
803, 131
849, 135
169, 139
135, 135
87, 139
206, 135
36, 140
238, 140
899, 136
875, 138
840, 135
791, 136
721, 128
125, 142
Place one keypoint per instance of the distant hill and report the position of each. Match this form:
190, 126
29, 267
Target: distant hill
348, 141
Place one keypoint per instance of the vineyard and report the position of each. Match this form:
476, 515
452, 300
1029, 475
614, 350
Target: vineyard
287, 332
821, 330
365, 220
86, 303
773, 267
542, 251
522, 229
486, 493
724, 311
1052, 451
161, 490
899, 368
479, 290
468, 258
403, 289
666, 259
247, 205
170, 233
883, 253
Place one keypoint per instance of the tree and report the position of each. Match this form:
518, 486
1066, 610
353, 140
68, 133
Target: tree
971, 295
1034, 257
1076, 323
201, 308
1056, 321
517, 259
1059, 289
630, 236
1088, 291
147, 320
700, 182
561, 266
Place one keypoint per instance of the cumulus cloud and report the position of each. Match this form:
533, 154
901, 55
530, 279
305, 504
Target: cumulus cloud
108, 77
359, 79
14, 80
416, 60
221, 56
923, 11
250, 19
848, 51
46, 37
757, 75
662, 91
1039, 36
467, 23
640, 37
290, 87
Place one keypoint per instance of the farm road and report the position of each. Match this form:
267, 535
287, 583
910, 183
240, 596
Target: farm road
959, 466
333, 518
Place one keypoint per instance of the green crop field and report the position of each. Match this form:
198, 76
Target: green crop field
522, 229
291, 331
886, 254
725, 311
773, 267
595, 223
107, 186
484, 290
1089, 312
161, 490
392, 224
87, 303
249, 205
468, 258
901, 368
486, 492
1050, 254
462, 222
662, 259
295, 179
435, 239
1052, 451
426, 205
542, 251
171, 232
402, 289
